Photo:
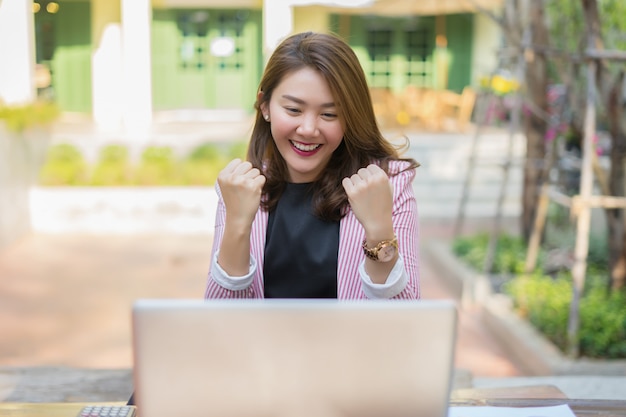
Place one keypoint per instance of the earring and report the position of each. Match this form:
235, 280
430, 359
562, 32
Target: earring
266, 117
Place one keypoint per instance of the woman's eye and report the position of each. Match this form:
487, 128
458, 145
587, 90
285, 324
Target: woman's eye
292, 110
329, 115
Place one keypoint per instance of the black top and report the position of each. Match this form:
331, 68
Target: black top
300, 250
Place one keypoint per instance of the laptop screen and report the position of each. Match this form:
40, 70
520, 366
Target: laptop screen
293, 358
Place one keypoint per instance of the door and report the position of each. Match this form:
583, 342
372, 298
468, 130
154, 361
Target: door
206, 58
63, 49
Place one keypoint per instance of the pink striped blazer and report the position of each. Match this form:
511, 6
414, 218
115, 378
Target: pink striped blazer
351, 257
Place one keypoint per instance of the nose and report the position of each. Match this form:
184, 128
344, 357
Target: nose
308, 126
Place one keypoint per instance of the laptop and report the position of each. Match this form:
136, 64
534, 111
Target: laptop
293, 358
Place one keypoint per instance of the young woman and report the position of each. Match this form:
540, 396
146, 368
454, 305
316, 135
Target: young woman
323, 207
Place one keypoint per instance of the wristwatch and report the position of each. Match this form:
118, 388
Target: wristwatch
383, 252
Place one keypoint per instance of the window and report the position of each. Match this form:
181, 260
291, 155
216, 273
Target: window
379, 43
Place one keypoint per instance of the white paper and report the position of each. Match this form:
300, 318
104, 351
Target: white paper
553, 411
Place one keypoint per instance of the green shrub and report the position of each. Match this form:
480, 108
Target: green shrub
157, 167
21, 117
545, 301
603, 323
509, 258
238, 150
206, 161
64, 165
207, 152
203, 164
112, 168
199, 172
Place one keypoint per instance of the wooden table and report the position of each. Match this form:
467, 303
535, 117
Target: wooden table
533, 396
43, 409
536, 396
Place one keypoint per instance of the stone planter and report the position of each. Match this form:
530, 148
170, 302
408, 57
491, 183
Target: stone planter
123, 210
532, 351
21, 156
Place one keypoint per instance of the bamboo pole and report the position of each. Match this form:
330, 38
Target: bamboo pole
481, 116
560, 198
612, 55
534, 242
541, 214
514, 126
581, 249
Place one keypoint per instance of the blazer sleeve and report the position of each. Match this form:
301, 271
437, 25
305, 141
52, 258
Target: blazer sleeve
403, 280
405, 223
219, 284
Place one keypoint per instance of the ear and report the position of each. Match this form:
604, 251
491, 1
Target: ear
263, 106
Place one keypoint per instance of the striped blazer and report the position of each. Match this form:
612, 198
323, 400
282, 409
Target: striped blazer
352, 281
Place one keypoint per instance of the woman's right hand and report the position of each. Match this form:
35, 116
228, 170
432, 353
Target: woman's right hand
241, 185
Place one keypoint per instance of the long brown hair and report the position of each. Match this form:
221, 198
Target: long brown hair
362, 143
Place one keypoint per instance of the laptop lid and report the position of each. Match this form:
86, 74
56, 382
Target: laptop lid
286, 358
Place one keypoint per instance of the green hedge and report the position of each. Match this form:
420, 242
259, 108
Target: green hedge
157, 166
544, 300
20, 117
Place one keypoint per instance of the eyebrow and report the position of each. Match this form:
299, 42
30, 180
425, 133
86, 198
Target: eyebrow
300, 101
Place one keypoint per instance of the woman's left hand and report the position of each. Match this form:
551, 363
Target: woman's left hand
371, 197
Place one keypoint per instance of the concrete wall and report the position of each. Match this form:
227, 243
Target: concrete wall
20, 157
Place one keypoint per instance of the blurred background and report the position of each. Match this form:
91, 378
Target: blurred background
117, 115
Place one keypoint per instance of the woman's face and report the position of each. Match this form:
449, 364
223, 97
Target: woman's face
305, 123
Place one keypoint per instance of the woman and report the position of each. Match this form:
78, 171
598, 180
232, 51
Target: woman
323, 206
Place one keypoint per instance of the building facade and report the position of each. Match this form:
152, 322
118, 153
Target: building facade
122, 61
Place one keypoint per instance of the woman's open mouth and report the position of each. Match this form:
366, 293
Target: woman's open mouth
305, 149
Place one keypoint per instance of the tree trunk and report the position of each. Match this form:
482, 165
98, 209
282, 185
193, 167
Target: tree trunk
617, 185
611, 95
535, 126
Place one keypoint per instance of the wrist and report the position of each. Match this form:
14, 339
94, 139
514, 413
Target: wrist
373, 235
237, 228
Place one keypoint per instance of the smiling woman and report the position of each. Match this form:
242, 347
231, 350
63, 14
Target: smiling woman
323, 206
304, 124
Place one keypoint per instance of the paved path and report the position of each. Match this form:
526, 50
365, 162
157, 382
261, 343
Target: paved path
65, 299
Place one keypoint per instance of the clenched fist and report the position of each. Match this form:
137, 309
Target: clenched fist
371, 197
241, 185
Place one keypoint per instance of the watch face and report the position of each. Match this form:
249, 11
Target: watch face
386, 253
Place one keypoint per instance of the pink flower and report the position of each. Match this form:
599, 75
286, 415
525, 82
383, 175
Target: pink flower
550, 134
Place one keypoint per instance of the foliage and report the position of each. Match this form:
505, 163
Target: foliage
158, 166
567, 28
544, 300
509, 257
567, 23
204, 164
112, 167
603, 327
64, 166
19, 118
238, 150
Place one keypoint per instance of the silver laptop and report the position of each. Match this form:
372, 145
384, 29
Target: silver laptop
293, 358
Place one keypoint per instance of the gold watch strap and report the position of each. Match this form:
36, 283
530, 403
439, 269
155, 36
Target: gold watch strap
372, 253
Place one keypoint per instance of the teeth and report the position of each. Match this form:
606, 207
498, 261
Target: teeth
305, 148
